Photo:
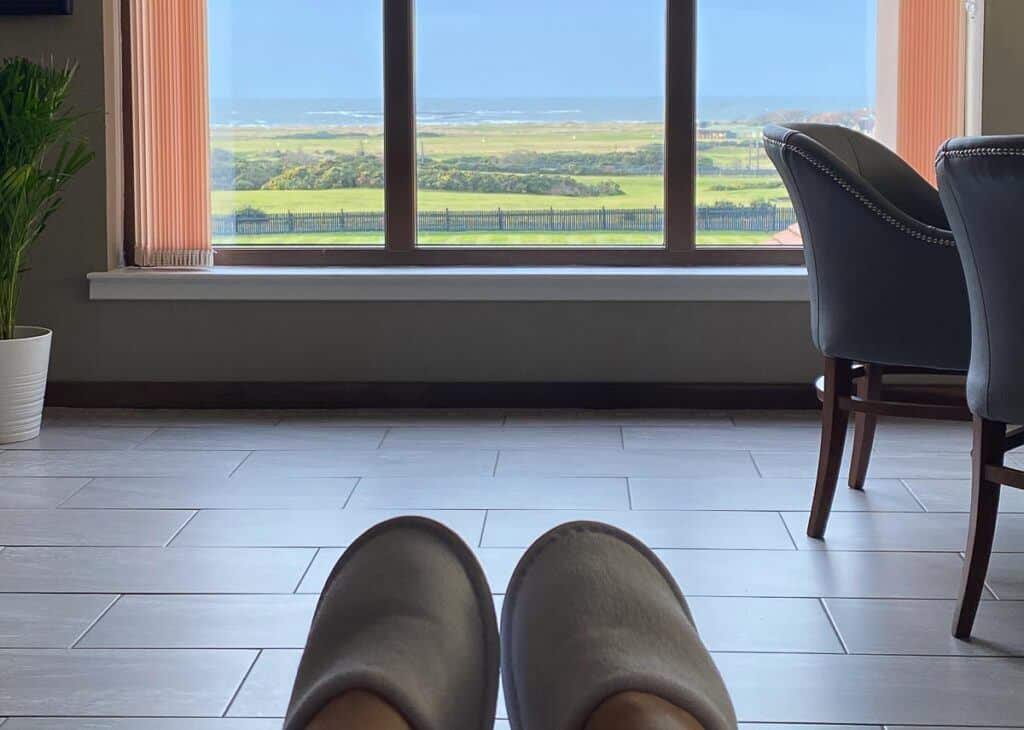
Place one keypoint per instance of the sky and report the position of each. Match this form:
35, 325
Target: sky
263, 49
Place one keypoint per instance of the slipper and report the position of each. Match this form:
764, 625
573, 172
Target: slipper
591, 612
406, 614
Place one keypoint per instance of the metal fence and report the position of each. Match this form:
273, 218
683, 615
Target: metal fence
762, 218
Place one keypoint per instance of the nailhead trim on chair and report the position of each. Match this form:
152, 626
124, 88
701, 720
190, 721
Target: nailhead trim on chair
866, 202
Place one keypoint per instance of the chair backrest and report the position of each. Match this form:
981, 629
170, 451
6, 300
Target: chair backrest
875, 238
981, 180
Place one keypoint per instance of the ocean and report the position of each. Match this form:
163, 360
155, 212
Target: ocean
369, 112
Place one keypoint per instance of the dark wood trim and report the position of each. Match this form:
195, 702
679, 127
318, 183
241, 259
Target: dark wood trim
680, 126
127, 127
1015, 439
1004, 475
501, 256
989, 447
429, 395
399, 125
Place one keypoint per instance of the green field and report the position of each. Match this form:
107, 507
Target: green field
442, 143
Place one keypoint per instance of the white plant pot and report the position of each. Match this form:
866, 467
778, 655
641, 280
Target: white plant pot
24, 362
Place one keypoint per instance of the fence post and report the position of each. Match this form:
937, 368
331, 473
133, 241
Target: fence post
447, 220
501, 221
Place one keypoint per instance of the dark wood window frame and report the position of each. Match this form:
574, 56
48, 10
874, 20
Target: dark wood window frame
400, 247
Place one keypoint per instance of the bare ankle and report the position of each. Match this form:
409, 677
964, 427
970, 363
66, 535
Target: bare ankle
358, 710
640, 711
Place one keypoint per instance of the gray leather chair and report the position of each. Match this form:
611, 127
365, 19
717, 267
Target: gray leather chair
981, 181
886, 286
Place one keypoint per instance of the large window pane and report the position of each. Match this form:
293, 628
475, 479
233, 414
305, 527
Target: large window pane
540, 123
297, 122
762, 62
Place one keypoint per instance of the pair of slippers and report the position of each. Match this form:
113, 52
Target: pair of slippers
590, 612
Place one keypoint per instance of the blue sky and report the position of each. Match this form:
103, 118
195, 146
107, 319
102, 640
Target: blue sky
541, 48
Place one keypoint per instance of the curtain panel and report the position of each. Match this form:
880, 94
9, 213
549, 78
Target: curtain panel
168, 133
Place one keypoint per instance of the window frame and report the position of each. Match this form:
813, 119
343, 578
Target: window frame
679, 247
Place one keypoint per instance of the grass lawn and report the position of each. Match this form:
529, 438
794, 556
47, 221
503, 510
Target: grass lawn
732, 238
640, 192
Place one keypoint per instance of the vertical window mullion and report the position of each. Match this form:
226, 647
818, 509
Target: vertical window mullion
399, 127
680, 126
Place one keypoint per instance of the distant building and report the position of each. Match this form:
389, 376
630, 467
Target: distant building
714, 135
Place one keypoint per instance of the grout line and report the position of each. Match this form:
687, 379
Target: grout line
622, 437
74, 494
629, 494
497, 458
754, 462
483, 529
352, 492
241, 684
316, 554
178, 531
788, 533
387, 432
96, 621
913, 495
834, 625
240, 464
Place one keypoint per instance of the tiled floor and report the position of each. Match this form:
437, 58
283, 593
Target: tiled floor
159, 569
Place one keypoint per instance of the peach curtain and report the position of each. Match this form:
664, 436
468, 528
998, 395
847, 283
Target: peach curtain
932, 62
170, 133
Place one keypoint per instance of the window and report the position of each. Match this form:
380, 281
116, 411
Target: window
408, 132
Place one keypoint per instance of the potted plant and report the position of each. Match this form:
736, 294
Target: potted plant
38, 156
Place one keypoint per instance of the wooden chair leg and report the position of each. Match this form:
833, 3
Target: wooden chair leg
834, 421
989, 447
870, 386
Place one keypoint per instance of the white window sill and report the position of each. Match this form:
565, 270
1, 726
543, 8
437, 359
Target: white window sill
453, 284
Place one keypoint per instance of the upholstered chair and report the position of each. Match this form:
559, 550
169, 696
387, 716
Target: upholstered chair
982, 185
887, 290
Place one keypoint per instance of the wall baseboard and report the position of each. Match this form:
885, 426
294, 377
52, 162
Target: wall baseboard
430, 395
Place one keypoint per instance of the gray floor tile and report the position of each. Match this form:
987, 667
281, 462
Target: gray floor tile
118, 463
119, 683
613, 417
264, 437
491, 493
1005, 575
883, 466
308, 528
634, 463
203, 622
266, 690
923, 627
954, 495
151, 570
36, 492
504, 437
37, 621
74, 438
155, 417
878, 495
804, 726
383, 462
764, 624
100, 528
814, 573
234, 493
945, 532
770, 437
388, 417
720, 530
498, 564
826, 688
139, 723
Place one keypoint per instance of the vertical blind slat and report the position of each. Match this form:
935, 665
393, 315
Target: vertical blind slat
170, 133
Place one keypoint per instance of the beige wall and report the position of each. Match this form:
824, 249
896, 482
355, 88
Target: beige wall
156, 341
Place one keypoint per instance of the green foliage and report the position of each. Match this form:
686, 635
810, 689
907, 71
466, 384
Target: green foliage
647, 160
38, 156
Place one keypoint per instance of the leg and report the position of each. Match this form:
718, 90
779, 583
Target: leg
989, 444
358, 710
834, 420
870, 388
640, 711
